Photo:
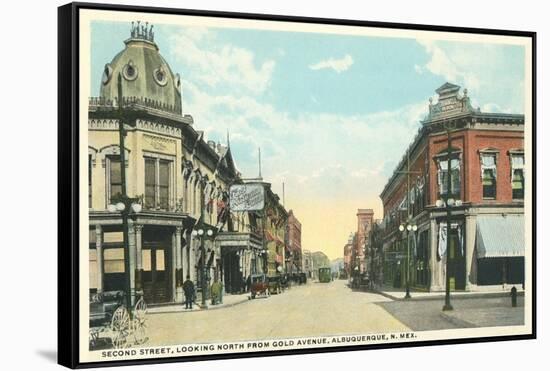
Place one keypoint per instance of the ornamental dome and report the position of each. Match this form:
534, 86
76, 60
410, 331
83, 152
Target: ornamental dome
145, 74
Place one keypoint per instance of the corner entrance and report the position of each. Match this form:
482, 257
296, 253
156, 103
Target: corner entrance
457, 260
157, 264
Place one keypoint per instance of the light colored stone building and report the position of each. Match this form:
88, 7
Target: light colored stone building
169, 168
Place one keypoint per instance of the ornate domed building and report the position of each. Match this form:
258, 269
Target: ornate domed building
145, 73
170, 172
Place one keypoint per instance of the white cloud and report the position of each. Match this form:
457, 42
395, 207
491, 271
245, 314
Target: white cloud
442, 64
338, 65
490, 72
493, 107
418, 69
315, 154
216, 64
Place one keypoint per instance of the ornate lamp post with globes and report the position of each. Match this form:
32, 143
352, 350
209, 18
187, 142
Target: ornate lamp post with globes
448, 202
203, 231
126, 206
408, 227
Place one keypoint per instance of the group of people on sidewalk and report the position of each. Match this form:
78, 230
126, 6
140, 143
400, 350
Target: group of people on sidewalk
189, 292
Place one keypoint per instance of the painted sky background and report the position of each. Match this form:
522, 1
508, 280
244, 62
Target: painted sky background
332, 114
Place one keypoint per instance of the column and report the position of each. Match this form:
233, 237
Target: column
469, 248
139, 259
437, 278
185, 255
132, 257
172, 266
99, 251
179, 267
193, 246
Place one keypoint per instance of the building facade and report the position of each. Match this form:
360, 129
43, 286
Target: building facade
487, 190
348, 252
275, 230
294, 244
365, 218
307, 261
177, 177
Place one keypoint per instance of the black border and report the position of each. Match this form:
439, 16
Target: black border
68, 180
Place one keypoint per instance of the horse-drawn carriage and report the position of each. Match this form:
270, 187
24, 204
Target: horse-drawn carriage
111, 321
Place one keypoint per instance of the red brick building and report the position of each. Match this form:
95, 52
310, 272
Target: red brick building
348, 251
365, 219
488, 184
294, 245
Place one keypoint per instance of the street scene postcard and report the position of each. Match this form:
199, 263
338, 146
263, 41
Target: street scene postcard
252, 186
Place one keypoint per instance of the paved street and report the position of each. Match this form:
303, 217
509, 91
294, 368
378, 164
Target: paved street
310, 310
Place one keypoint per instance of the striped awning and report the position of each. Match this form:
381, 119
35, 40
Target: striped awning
500, 236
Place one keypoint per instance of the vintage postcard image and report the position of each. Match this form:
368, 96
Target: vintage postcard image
253, 186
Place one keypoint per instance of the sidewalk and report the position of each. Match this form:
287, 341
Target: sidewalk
468, 312
471, 309
399, 293
228, 301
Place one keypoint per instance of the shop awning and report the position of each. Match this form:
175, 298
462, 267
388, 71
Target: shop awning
238, 240
500, 236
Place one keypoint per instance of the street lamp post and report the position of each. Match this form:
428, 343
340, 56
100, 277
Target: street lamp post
201, 231
408, 227
449, 203
202, 234
126, 206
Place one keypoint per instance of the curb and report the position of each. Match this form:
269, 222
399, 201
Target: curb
442, 296
202, 310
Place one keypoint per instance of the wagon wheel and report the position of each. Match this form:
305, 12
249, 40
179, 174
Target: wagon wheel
94, 337
120, 327
139, 321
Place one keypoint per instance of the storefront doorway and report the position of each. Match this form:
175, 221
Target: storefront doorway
233, 277
458, 260
157, 265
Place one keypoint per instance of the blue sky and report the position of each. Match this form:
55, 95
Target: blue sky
332, 114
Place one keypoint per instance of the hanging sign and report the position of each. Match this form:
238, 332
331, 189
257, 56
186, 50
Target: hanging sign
246, 197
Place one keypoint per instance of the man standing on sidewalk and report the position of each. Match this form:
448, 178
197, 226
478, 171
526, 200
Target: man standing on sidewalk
189, 292
216, 292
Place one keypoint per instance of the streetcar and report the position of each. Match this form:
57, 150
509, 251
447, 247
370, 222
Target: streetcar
325, 275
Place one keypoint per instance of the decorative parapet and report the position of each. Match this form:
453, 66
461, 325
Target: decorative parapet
449, 103
102, 103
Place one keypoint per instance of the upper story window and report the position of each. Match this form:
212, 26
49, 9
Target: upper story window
157, 183
442, 175
114, 178
518, 176
90, 181
489, 175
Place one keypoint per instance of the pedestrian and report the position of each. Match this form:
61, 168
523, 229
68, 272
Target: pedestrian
248, 282
189, 292
216, 292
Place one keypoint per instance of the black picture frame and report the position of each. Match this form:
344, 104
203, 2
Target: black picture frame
69, 182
